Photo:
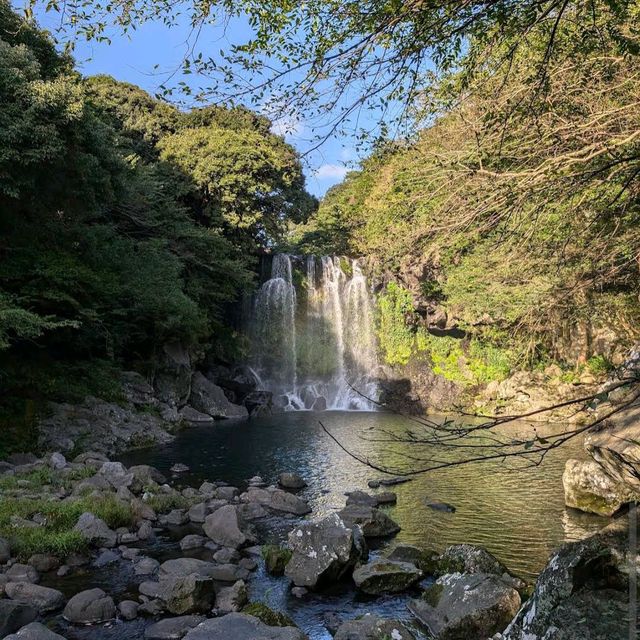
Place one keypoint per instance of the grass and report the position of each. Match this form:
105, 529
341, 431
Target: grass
43, 477
162, 503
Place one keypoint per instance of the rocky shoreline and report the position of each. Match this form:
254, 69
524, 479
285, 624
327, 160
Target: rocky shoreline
60, 519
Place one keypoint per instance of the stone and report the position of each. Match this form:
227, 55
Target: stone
107, 557
145, 475
227, 528
96, 531
240, 626
172, 628
374, 523
229, 573
232, 599
373, 627
424, 560
43, 599
172, 380
184, 594
145, 566
186, 566
332, 622
179, 467
192, 541
90, 607
386, 576
291, 481
275, 559
175, 518
151, 608
22, 573
277, 499
589, 488
63, 571
145, 531
5, 551
116, 474
14, 615
226, 493
468, 558
323, 551
35, 631
57, 461
466, 606
299, 592
361, 497
128, 609
198, 512
207, 397
189, 414
226, 555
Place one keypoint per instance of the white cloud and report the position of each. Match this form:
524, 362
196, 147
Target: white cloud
331, 171
290, 126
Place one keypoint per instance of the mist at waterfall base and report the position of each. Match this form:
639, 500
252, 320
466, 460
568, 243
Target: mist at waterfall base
312, 330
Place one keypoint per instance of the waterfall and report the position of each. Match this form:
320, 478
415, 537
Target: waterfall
315, 356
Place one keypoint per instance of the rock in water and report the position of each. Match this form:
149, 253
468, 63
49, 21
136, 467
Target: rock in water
589, 488
42, 598
90, 607
239, 626
35, 631
372, 627
227, 528
172, 628
386, 576
14, 615
323, 551
374, 523
466, 606
291, 481
468, 558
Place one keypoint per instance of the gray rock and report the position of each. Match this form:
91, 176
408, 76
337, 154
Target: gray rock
186, 566
184, 594
226, 493
116, 474
466, 606
107, 557
232, 599
14, 615
589, 488
145, 475
96, 531
179, 467
229, 573
226, 527
372, 627
277, 499
386, 576
172, 380
226, 555
146, 566
323, 551
145, 531
90, 607
192, 541
424, 560
189, 414
175, 518
35, 631
57, 461
291, 481
22, 573
468, 558
374, 523
128, 609
361, 497
198, 512
5, 551
172, 628
151, 608
239, 626
210, 399
43, 599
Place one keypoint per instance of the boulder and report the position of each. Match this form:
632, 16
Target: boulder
192, 541
172, 381
186, 566
145, 566
226, 527
128, 609
35, 631
374, 523
90, 607
57, 461
361, 497
145, 475
386, 576
96, 531
466, 606
189, 414
291, 481
468, 558
184, 594
232, 599
259, 403
43, 599
14, 615
275, 558
323, 551
582, 593
589, 488
210, 399
424, 560
44, 562
289, 503
372, 627
172, 628
240, 626
19, 572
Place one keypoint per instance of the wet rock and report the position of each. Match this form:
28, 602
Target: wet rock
185, 566
441, 506
361, 497
63, 571
239, 626
332, 622
466, 606
151, 608
175, 518
96, 531
277, 499
128, 609
372, 627
323, 551
424, 560
57, 461
275, 559
179, 467
227, 528
35, 631
105, 558
374, 523
184, 594
259, 403
146, 566
291, 481
270, 617
468, 558
387, 482
210, 399
43, 599
299, 592
90, 607
192, 541
172, 628
14, 615
22, 573
386, 576
229, 573
5, 551
226, 555
589, 488
189, 414
232, 599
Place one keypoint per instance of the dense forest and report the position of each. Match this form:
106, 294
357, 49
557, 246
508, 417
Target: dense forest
125, 223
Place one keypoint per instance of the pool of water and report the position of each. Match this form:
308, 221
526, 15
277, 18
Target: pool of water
518, 514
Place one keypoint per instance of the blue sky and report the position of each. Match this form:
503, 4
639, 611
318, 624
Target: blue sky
133, 58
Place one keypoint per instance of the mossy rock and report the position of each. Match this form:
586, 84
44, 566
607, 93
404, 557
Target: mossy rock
270, 617
275, 558
432, 594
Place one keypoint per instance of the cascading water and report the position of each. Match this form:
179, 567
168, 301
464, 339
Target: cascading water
318, 356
